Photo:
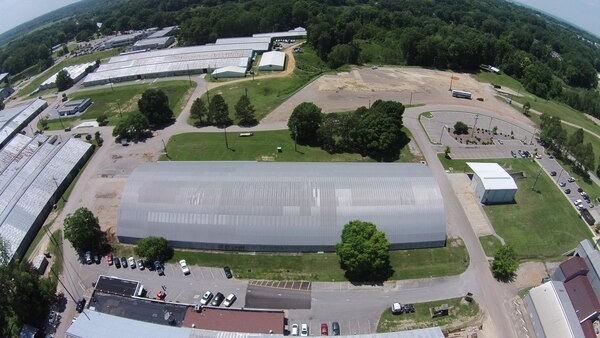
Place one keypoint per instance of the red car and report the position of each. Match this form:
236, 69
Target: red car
324, 330
109, 258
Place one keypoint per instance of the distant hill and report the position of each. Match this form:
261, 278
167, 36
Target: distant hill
49, 18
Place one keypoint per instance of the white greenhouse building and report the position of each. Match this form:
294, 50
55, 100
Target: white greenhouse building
229, 71
492, 184
272, 61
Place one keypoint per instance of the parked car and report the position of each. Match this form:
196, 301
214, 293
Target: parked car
408, 308
109, 258
294, 331
551, 157
80, 305
579, 190
396, 308
217, 300
567, 191
140, 264
117, 263
124, 261
500, 141
53, 318
159, 268
304, 330
553, 173
87, 257
184, 267
562, 184
229, 300
97, 258
571, 179
335, 328
324, 329
228, 273
538, 157
206, 298
131, 261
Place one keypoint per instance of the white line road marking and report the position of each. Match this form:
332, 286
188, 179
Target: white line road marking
213, 276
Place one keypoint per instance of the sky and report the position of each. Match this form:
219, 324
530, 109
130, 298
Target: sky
16, 12
582, 13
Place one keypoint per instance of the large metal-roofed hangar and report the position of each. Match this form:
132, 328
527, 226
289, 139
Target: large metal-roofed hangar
279, 206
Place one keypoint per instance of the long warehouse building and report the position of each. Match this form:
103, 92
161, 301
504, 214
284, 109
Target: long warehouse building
33, 175
174, 62
288, 207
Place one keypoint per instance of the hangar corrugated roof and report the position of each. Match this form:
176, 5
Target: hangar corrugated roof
493, 176
254, 205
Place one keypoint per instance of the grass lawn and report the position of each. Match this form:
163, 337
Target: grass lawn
262, 146
490, 245
31, 86
408, 264
124, 98
461, 314
55, 248
267, 94
541, 224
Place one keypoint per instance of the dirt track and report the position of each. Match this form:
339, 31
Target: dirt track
361, 86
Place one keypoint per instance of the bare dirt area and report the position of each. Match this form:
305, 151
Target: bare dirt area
530, 274
362, 86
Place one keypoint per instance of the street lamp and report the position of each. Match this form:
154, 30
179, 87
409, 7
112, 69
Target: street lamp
473, 131
442, 133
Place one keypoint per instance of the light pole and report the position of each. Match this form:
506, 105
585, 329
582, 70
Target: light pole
442, 133
558, 178
410, 102
536, 179
226, 142
473, 131
451, 78
491, 119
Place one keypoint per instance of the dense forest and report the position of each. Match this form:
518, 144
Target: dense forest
550, 61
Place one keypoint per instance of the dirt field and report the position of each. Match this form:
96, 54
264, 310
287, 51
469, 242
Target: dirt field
361, 86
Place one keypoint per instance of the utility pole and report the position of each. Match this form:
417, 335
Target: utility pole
451, 78
226, 142
442, 133
410, 102
295, 138
491, 119
536, 179
188, 71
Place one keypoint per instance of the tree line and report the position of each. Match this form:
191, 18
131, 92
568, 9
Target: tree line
375, 132
570, 148
548, 58
217, 112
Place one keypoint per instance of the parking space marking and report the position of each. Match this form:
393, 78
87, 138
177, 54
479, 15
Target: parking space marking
211, 273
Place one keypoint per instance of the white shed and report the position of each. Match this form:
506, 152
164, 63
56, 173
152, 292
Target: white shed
492, 184
229, 71
272, 61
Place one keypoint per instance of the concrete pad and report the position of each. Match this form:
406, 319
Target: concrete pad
87, 124
477, 217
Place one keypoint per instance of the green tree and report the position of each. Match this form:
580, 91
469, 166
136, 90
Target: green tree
304, 123
505, 263
63, 80
102, 119
575, 140
154, 249
364, 252
526, 108
447, 152
199, 111
218, 112
44, 122
461, 128
82, 229
154, 104
244, 111
134, 126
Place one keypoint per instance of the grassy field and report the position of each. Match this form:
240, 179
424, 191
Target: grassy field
461, 314
55, 248
262, 146
66, 62
541, 224
267, 94
408, 264
124, 98
490, 245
